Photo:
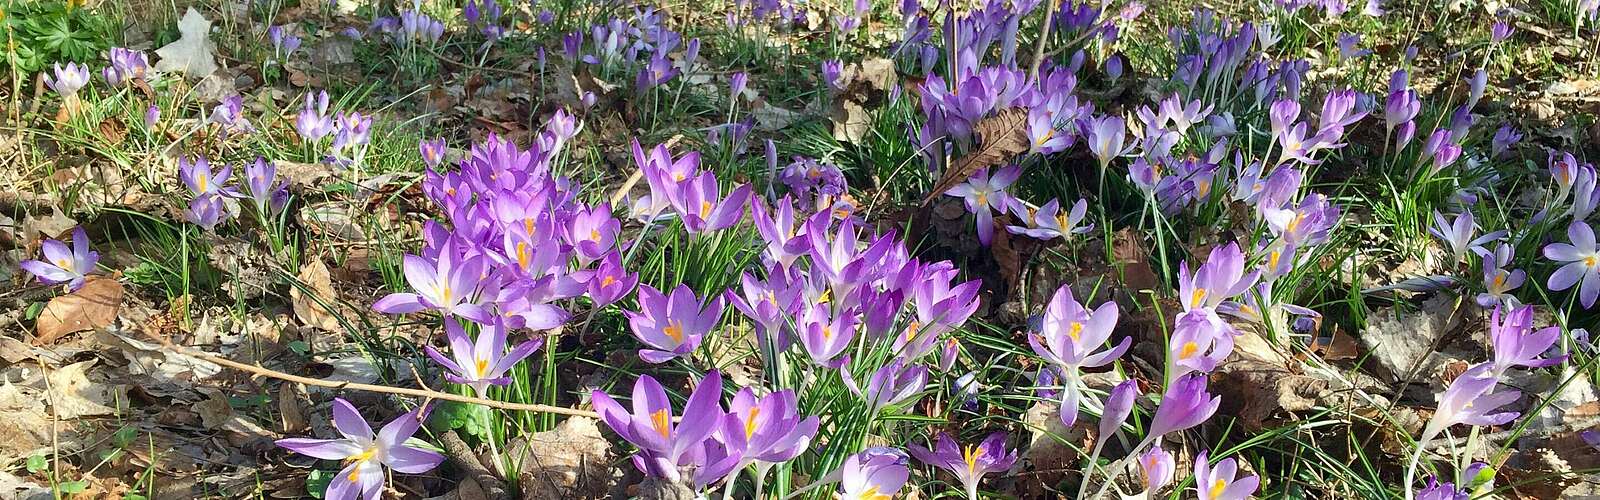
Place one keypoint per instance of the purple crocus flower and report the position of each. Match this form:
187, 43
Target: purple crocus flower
229, 114
673, 326
1043, 136
1470, 399
1457, 235
1218, 482
205, 211
152, 115
659, 70
62, 264
777, 227
1436, 490
704, 210
1497, 281
892, 384
432, 151
1119, 404
1504, 138
831, 70
1106, 135
66, 80
196, 174
449, 283
767, 430
736, 85
825, 334
482, 362
1200, 341
1517, 344
1499, 32
592, 232
313, 122
666, 442
1157, 466
1222, 277
366, 454
870, 477
1072, 338
126, 66
1582, 263
262, 187
1185, 404
1050, 222
609, 282
984, 194
283, 43
970, 464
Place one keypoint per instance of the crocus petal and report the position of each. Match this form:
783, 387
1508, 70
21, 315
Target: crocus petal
348, 421
399, 303
326, 449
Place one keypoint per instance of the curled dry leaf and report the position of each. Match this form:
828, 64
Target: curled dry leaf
1000, 137
308, 304
92, 307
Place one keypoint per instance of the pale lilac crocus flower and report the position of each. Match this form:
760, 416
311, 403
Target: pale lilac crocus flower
366, 454
201, 180
67, 80
313, 122
1470, 399
1457, 234
970, 464
62, 264
984, 194
825, 334
482, 362
126, 66
1222, 277
1072, 338
1050, 222
609, 282
892, 384
672, 326
448, 283
263, 188
1106, 135
205, 211
1219, 482
870, 477
1436, 490
1582, 263
1497, 281
1157, 467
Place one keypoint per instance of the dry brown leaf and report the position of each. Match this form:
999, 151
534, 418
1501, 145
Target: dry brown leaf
113, 130
73, 394
569, 461
314, 275
94, 306
290, 410
1001, 137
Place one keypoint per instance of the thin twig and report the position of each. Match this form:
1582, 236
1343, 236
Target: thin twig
418, 393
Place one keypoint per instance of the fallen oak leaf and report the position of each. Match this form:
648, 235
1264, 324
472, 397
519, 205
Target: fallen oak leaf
93, 306
308, 305
1001, 137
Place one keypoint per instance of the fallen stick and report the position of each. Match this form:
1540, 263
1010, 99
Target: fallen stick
419, 393
462, 455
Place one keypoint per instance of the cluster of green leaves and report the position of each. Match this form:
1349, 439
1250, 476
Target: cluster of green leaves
41, 33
